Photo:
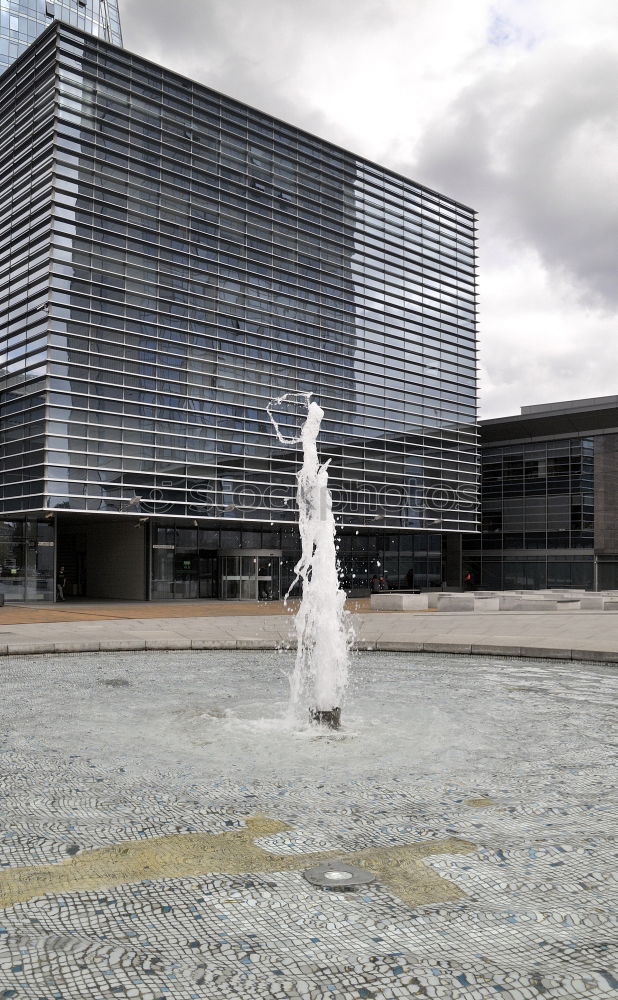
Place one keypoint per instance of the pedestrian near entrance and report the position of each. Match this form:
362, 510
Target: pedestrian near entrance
383, 583
375, 585
61, 583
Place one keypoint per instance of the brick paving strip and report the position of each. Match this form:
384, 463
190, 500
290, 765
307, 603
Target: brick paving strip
26, 614
108, 626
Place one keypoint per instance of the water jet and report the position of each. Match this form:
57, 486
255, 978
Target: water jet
323, 633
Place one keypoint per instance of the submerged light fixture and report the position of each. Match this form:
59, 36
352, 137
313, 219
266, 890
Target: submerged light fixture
338, 875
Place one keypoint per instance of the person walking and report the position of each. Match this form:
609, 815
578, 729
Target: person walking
375, 585
61, 583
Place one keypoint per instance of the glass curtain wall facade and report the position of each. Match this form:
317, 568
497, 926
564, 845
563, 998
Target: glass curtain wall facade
537, 503
189, 561
177, 259
21, 21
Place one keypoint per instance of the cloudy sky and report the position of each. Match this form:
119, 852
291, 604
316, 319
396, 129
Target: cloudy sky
508, 106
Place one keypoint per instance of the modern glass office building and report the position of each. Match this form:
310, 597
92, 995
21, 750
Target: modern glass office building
171, 260
21, 21
549, 489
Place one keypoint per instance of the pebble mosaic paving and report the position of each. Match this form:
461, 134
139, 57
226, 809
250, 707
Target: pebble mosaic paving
503, 769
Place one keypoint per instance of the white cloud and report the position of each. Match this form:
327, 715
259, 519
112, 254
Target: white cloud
537, 342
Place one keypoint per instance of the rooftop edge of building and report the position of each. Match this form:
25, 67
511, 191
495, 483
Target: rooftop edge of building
571, 416
568, 405
562, 407
60, 27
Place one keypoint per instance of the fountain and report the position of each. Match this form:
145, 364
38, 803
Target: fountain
323, 634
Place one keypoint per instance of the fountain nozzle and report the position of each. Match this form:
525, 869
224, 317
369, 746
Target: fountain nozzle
329, 717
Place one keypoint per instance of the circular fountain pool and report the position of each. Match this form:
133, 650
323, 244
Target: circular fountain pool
475, 790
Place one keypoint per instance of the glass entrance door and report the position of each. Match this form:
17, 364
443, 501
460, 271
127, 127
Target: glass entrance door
209, 576
250, 576
230, 578
268, 573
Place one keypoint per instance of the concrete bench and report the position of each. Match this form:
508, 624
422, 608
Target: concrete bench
511, 602
592, 602
455, 602
433, 596
530, 604
486, 602
399, 602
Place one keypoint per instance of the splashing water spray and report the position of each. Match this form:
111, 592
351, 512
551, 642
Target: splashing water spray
323, 634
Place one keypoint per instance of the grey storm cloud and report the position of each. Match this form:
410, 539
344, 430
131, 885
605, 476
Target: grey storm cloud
533, 148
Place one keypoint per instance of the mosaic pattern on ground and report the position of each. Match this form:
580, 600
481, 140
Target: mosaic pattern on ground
502, 770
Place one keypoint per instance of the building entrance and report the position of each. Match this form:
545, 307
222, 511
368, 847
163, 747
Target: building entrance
102, 559
250, 576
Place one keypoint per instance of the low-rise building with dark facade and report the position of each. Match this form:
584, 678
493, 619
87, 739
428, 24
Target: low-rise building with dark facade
171, 260
549, 498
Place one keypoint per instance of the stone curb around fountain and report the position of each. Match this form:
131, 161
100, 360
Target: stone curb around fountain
174, 643
248, 643
77, 647
383, 646
29, 648
394, 646
117, 645
213, 643
596, 655
447, 647
492, 649
547, 653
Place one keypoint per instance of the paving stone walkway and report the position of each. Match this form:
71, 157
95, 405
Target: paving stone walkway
203, 625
